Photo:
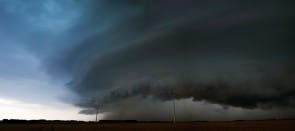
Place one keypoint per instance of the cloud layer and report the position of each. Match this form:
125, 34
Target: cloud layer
124, 56
237, 54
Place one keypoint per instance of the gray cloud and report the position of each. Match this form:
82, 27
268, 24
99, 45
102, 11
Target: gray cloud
237, 54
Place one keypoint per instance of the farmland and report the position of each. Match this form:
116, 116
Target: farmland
267, 125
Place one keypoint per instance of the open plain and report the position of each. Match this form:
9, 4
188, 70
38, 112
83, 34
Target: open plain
265, 125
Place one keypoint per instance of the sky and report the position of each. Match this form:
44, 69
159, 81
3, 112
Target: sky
130, 59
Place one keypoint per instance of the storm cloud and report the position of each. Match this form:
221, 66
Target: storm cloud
231, 53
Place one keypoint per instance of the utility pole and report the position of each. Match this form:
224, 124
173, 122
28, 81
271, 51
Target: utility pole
174, 118
96, 113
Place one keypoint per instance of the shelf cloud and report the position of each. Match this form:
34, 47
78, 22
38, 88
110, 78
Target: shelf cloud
232, 53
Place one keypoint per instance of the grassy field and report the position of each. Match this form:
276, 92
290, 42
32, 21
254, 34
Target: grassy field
270, 125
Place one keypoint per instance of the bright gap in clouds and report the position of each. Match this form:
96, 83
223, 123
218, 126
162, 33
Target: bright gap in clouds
15, 109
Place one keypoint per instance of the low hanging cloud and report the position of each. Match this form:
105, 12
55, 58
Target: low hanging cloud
237, 54
251, 89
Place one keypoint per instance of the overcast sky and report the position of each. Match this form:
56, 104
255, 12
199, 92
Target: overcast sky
129, 59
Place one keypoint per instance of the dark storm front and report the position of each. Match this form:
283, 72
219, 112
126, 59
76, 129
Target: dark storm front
230, 53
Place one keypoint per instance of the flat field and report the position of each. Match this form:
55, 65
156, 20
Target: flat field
266, 125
